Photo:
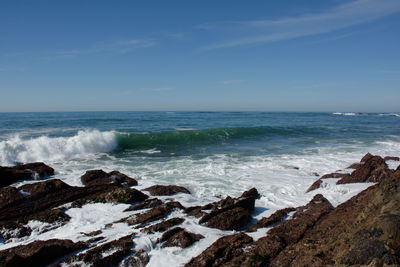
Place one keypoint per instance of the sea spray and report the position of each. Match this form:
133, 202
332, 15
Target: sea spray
44, 148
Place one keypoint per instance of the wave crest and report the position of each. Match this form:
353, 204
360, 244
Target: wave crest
47, 149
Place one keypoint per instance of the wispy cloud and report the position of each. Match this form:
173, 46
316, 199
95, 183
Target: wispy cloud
227, 82
238, 33
109, 47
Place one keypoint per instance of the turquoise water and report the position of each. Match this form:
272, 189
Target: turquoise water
204, 133
212, 153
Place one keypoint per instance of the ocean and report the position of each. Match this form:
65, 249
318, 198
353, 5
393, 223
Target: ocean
213, 154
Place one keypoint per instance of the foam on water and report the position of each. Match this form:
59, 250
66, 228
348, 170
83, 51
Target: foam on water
51, 149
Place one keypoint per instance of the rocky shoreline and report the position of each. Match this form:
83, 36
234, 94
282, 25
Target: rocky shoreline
364, 230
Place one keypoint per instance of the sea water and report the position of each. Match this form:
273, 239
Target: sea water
213, 154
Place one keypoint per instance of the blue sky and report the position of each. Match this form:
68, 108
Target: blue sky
332, 55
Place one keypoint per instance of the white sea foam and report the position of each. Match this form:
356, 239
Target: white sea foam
209, 179
49, 149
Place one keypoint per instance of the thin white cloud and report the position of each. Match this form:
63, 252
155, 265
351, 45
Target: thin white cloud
121, 46
266, 31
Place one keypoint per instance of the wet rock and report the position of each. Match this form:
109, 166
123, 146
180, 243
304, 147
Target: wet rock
98, 177
10, 196
108, 254
154, 214
17, 232
163, 226
221, 251
178, 237
229, 213
147, 204
93, 233
166, 190
48, 194
140, 258
317, 184
364, 230
38, 253
289, 232
391, 158
275, 218
373, 169
354, 166
232, 219
9, 175
334, 175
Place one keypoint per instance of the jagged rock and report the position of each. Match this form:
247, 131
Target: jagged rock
166, 190
232, 219
107, 254
370, 169
18, 232
354, 166
221, 251
9, 175
178, 237
362, 231
374, 169
163, 226
317, 184
229, 213
140, 258
154, 214
391, 158
289, 232
38, 253
277, 217
147, 204
48, 194
98, 177
334, 175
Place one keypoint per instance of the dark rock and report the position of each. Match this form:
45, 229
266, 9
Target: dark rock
364, 230
166, 190
232, 219
221, 251
18, 232
286, 233
391, 158
229, 213
140, 258
366, 157
9, 175
147, 204
251, 193
277, 217
108, 254
354, 166
374, 169
334, 175
196, 211
38, 253
100, 177
48, 194
163, 226
178, 237
10, 196
93, 233
154, 214
317, 184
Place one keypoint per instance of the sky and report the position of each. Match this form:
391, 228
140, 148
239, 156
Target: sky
289, 55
